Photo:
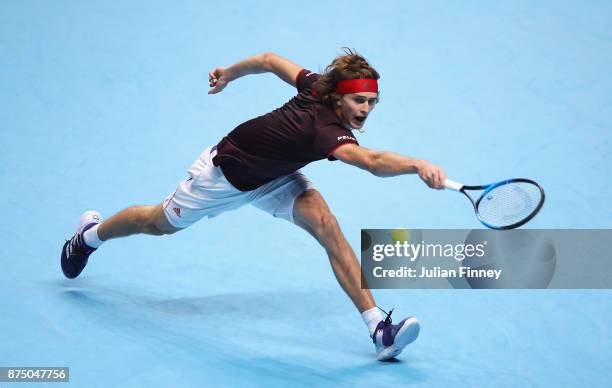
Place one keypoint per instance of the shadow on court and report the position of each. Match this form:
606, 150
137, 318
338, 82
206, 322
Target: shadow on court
286, 338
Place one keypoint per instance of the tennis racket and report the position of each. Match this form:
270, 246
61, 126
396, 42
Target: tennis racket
504, 205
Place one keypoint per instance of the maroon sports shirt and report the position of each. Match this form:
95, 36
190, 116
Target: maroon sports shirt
288, 138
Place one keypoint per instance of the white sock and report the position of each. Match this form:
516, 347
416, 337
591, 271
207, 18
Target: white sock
91, 237
371, 318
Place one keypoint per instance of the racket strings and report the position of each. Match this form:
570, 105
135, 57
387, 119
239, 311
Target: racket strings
509, 203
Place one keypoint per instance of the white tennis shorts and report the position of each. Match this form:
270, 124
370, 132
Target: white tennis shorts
207, 193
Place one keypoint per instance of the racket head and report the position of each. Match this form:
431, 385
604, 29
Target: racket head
508, 204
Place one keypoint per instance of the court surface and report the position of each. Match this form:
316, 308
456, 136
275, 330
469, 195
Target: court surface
104, 105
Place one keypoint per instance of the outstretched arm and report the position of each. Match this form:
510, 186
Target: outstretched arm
260, 63
385, 163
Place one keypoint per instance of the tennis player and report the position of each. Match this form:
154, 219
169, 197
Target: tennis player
259, 163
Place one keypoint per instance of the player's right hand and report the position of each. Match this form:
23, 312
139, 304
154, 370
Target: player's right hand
431, 174
218, 80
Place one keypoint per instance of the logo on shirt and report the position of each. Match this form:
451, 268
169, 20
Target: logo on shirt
346, 137
309, 74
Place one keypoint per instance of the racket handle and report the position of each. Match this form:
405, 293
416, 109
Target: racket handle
453, 185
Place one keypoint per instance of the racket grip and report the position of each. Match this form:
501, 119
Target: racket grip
452, 185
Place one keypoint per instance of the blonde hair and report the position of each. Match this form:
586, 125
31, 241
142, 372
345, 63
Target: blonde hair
351, 65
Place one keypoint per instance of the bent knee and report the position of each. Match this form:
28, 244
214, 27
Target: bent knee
326, 222
311, 211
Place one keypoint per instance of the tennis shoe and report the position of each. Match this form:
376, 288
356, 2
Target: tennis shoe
391, 339
75, 252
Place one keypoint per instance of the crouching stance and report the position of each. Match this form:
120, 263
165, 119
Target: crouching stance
258, 163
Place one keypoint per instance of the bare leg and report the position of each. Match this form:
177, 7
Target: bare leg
311, 212
135, 220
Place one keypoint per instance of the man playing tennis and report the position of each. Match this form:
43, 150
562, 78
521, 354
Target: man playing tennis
258, 163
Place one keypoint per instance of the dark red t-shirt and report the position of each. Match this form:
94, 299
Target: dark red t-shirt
288, 138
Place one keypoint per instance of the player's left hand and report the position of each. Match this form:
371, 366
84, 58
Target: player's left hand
218, 80
431, 174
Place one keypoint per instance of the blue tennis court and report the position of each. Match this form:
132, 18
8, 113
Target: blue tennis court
104, 105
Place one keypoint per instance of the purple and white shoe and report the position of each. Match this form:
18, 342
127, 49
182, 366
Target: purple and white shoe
391, 339
75, 252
